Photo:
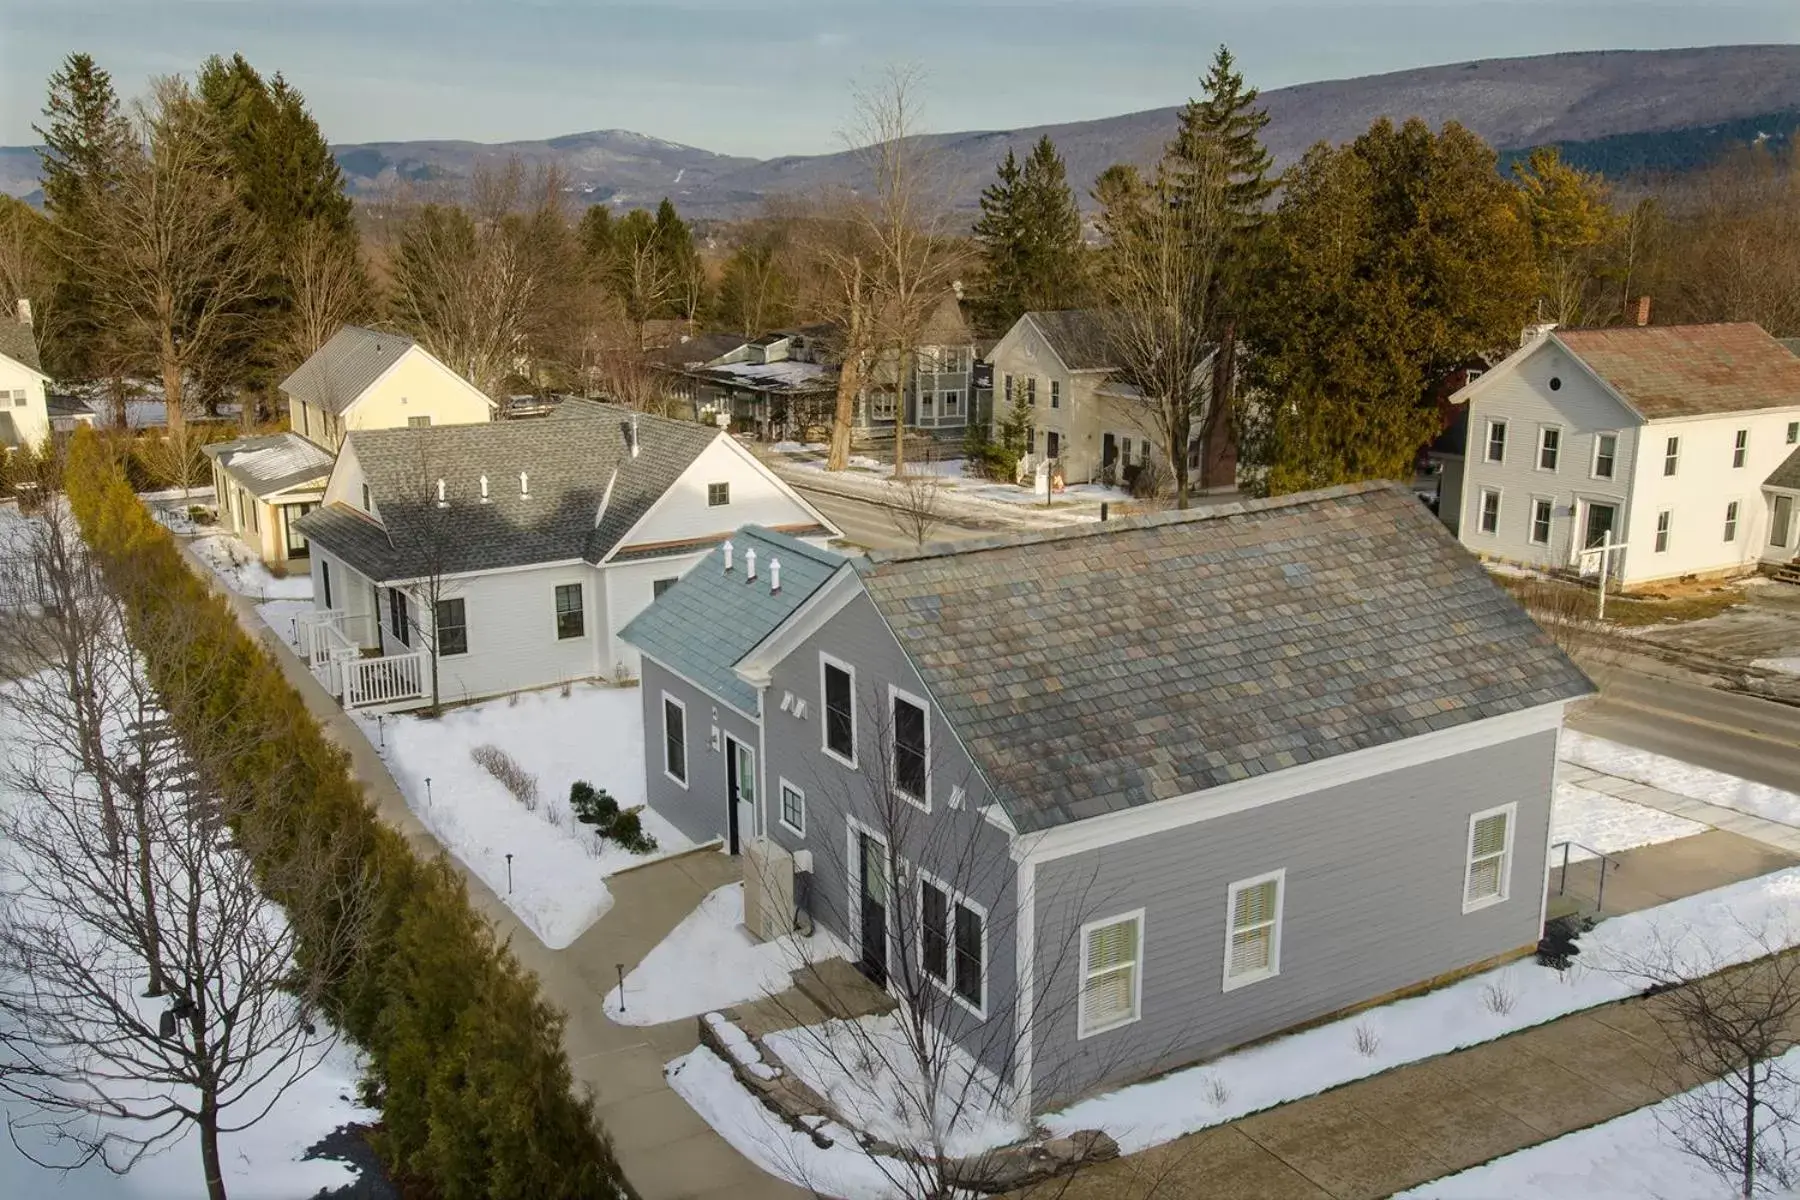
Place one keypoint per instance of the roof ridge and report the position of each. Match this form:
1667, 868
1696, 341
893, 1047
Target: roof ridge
787, 542
1214, 512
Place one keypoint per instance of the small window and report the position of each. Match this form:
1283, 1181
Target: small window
675, 764
1549, 447
1007, 388
912, 750
1253, 935
1490, 511
1490, 851
1662, 531
1111, 991
398, 625
1031, 390
569, 623
1671, 455
325, 580
793, 809
452, 627
718, 495
1056, 393
839, 688
1606, 453
1541, 512
418, 422
1740, 448
1731, 516
659, 586
368, 504
953, 943
305, 421
1496, 441
1793, 432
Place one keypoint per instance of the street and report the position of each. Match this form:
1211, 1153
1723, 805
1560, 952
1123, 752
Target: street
870, 525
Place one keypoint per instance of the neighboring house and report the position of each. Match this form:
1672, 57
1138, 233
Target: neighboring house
360, 379
935, 394
1165, 785
24, 411
1086, 419
1677, 442
517, 550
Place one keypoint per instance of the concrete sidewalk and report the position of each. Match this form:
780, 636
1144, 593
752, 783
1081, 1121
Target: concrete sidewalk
667, 1151
1785, 838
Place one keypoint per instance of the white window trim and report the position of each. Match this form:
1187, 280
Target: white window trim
1082, 1032
1506, 857
1662, 535
826, 660
853, 831
1539, 464
952, 898
1531, 526
716, 483
1594, 459
783, 787
1668, 474
1481, 495
1233, 982
1487, 446
687, 735
1740, 449
556, 633
923, 803
1734, 522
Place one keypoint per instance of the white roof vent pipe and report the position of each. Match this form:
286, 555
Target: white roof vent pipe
774, 577
442, 503
634, 435
728, 558
524, 485
484, 490
749, 566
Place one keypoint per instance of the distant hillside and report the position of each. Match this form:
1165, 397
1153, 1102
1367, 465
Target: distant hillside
1617, 111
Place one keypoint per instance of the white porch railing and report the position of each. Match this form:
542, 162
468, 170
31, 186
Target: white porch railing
394, 680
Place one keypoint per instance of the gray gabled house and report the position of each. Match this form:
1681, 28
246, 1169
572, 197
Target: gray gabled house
1132, 794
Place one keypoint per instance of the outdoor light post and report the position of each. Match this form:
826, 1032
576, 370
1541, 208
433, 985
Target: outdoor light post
509, 874
428, 791
621, 970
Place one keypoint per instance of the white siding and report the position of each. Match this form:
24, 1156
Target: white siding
31, 420
757, 498
630, 587
512, 632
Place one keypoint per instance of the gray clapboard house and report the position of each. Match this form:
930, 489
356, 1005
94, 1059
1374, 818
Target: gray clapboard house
1129, 794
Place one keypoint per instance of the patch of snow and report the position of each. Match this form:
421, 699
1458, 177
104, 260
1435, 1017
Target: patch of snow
1608, 824
1680, 778
738, 1044
865, 1069
1787, 666
710, 961
1704, 932
1627, 1158
244, 573
281, 615
791, 373
559, 867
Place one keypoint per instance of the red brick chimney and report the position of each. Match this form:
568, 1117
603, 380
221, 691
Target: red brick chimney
1643, 310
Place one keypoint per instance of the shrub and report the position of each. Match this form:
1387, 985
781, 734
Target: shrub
199, 514
628, 831
516, 779
591, 805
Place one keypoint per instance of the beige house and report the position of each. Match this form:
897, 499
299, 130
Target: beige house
1086, 420
360, 379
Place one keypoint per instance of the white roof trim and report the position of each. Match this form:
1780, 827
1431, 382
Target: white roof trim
827, 600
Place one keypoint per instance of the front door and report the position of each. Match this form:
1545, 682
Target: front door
872, 874
1602, 519
740, 799
1781, 521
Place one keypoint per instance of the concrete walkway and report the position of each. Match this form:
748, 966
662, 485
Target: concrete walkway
1771, 833
668, 1152
1647, 876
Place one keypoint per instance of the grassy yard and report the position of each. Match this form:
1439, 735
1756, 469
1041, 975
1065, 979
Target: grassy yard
1662, 606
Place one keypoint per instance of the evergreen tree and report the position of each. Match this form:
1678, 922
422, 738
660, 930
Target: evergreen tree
597, 235
1001, 243
86, 139
1225, 123
675, 247
1029, 233
1392, 261
1573, 225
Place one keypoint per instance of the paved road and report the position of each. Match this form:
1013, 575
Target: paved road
869, 524
1740, 735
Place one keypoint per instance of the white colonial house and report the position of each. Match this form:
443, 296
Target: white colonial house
513, 553
360, 379
24, 403
1679, 443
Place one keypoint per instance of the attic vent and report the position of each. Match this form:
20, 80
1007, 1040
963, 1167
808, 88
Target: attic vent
728, 558
484, 490
442, 503
524, 485
749, 566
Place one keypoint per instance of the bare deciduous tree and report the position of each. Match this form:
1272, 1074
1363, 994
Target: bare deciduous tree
329, 286
915, 502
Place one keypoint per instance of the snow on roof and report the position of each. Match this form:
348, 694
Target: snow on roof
790, 374
272, 462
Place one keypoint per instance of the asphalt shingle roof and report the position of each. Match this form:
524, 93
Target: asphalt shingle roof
1787, 475
271, 463
1079, 337
569, 457
709, 620
1095, 670
343, 368
1667, 371
1792, 344
18, 341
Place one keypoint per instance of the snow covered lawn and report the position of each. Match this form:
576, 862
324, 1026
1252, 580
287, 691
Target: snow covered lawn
558, 867
1787, 666
709, 962
244, 573
1627, 1158
280, 616
1680, 778
1609, 824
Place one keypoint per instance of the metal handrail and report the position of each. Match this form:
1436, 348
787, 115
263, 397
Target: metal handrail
1563, 877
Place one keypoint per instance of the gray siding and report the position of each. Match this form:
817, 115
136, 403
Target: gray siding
699, 810
959, 847
1582, 410
1372, 904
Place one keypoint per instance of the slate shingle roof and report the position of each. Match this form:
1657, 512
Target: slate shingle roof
1099, 669
1689, 370
709, 620
569, 457
342, 369
1079, 337
18, 341
271, 463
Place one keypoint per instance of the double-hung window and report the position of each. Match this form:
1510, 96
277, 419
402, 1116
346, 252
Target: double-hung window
1112, 954
1253, 931
1490, 510
1486, 879
1496, 441
1740, 448
1549, 447
1662, 531
911, 747
1793, 432
675, 764
1541, 512
1056, 393
1731, 518
953, 943
569, 622
1671, 455
452, 627
838, 685
1606, 455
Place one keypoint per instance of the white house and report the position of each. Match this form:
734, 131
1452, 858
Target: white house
360, 379
24, 405
1680, 442
516, 551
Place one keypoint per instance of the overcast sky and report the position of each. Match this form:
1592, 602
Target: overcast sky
773, 77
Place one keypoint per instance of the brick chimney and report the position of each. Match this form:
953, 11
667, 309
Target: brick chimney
1643, 310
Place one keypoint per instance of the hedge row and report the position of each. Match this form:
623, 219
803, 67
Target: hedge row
465, 1057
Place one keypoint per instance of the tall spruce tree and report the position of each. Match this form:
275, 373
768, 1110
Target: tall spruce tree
675, 246
86, 139
1029, 233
